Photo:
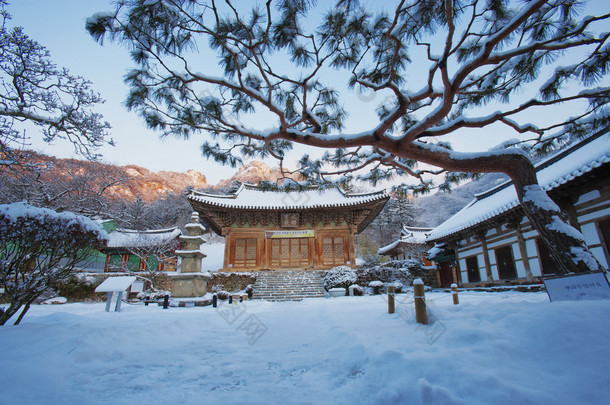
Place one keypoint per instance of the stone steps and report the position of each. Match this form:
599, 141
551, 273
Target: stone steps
288, 285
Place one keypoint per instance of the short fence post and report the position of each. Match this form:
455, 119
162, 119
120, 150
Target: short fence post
421, 315
454, 292
166, 302
214, 300
390, 299
230, 299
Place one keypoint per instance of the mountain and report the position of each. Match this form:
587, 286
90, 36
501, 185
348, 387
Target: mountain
254, 172
131, 181
136, 181
435, 209
152, 185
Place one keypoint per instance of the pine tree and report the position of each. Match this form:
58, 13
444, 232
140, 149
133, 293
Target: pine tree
478, 54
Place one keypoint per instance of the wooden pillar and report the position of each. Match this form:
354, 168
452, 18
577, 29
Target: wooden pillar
457, 275
351, 248
523, 250
481, 236
227, 256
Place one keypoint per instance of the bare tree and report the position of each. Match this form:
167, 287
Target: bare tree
478, 54
34, 90
39, 247
61, 184
153, 255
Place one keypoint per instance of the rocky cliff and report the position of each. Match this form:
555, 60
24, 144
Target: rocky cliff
254, 172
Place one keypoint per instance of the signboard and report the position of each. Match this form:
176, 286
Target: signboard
116, 284
137, 287
301, 233
575, 287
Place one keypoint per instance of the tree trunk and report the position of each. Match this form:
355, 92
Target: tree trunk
566, 244
10, 311
22, 314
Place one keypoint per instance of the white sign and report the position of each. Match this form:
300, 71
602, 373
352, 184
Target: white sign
115, 284
576, 287
137, 287
303, 233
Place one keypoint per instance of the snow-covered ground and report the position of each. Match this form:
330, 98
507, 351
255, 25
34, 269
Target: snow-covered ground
493, 348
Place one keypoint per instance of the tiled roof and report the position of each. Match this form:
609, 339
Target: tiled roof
250, 197
554, 171
410, 235
126, 238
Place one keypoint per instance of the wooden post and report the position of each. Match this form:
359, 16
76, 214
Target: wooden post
454, 292
421, 316
490, 278
390, 299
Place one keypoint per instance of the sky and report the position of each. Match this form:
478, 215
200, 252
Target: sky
59, 25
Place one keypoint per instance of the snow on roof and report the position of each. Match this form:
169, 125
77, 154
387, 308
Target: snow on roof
554, 171
410, 235
134, 238
250, 197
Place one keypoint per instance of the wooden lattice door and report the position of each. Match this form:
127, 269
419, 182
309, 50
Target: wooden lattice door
244, 253
333, 251
290, 252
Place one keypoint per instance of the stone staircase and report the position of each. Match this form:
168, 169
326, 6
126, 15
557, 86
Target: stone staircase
288, 285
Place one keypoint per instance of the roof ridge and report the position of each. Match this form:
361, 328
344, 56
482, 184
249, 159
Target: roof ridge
546, 162
147, 231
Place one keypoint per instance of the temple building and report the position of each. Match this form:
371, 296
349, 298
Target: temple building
494, 242
411, 244
134, 250
270, 230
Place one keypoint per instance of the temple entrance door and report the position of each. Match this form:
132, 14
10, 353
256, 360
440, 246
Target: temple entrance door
446, 274
333, 251
290, 253
244, 253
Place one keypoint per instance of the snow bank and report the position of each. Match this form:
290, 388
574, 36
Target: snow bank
17, 211
492, 348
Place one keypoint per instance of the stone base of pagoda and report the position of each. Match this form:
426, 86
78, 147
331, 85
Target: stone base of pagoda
188, 285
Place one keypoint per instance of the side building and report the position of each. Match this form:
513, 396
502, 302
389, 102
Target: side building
134, 250
411, 244
493, 241
270, 230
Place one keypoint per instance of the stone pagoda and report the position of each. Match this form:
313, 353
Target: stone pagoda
190, 281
